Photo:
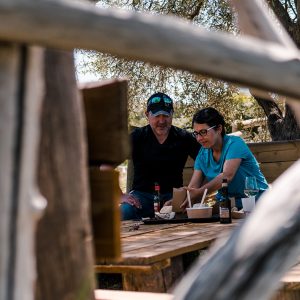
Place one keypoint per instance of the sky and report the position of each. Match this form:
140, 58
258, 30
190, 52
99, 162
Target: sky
88, 77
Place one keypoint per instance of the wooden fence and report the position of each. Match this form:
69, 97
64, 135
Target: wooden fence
268, 241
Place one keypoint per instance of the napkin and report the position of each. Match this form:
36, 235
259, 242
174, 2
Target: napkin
165, 213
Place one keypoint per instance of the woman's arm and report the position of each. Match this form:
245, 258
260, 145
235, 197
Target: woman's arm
196, 179
230, 167
196, 189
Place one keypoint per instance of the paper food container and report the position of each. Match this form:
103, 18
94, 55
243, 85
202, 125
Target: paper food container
179, 195
199, 212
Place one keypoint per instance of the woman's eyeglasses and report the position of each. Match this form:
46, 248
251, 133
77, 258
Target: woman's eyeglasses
158, 99
203, 132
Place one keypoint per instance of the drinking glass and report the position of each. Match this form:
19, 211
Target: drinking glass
250, 191
251, 188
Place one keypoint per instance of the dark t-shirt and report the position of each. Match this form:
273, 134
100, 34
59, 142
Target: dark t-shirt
162, 163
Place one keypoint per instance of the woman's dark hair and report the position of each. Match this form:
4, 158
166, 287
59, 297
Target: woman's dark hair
209, 116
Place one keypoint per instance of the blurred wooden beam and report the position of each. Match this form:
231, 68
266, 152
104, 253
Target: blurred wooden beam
251, 262
162, 40
21, 91
256, 19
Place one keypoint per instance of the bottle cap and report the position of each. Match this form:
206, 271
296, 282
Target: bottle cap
156, 186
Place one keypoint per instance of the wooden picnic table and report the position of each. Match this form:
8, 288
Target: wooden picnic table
154, 257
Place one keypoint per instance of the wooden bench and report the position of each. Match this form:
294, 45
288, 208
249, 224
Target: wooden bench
273, 157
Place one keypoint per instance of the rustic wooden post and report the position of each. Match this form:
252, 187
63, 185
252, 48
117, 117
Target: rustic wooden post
64, 240
21, 84
105, 106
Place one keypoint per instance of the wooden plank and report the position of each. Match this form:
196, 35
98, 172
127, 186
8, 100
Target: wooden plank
128, 231
122, 295
277, 156
291, 280
168, 243
272, 171
106, 114
105, 199
248, 61
9, 72
286, 294
276, 151
174, 272
161, 235
290, 285
256, 19
144, 282
21, 205
157, 281
133, 268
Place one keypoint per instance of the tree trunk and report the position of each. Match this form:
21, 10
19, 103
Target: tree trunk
64, 241
255, 19
280, 127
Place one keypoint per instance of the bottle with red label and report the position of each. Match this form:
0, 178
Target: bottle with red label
156, 198
225, 204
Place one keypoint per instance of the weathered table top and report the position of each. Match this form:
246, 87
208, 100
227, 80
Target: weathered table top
152, 243
152, 255
151, 248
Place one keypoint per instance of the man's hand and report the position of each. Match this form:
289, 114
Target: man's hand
168, 203
130, 199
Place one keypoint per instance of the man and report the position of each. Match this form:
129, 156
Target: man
159, 153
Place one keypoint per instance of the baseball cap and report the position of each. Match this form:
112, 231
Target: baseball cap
160, 104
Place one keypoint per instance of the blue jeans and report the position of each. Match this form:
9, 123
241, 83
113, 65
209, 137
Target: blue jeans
129, 212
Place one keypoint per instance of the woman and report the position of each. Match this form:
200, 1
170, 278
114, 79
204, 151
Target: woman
221, 156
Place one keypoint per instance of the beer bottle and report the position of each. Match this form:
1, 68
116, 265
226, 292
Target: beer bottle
156, 198
225, 204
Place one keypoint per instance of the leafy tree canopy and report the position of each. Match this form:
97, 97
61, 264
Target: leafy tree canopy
189, 91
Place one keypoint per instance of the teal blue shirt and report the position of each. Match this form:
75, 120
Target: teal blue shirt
233, 147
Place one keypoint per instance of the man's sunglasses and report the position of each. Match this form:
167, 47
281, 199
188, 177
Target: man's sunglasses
203, 132
155, 100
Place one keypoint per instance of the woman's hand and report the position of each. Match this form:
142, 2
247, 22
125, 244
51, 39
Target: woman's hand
195, 193
128, 198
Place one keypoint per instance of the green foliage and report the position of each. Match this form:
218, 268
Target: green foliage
189, 91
